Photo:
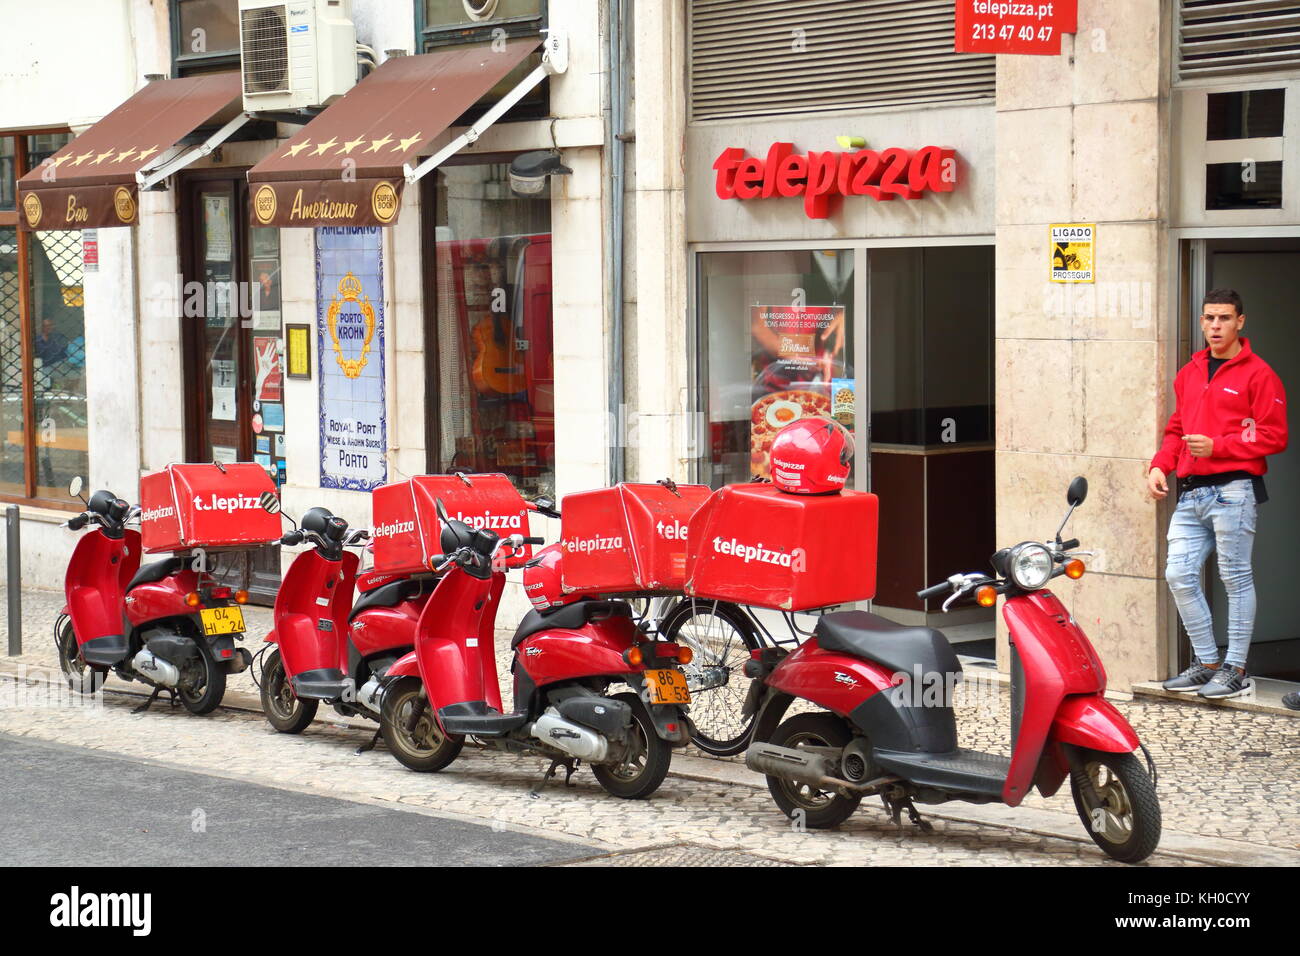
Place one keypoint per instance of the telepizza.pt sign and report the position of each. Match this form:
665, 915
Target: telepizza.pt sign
1007, 26
1074, 252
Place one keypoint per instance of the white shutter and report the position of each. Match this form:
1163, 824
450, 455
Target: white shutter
857, 53
1237, 37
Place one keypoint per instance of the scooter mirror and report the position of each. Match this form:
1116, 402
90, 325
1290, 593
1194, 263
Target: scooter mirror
1078, 491
74, 487
270, 502
441, 509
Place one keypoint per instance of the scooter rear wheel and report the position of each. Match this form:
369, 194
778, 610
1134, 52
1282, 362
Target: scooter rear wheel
285, 711
203, 684
818, 809
81, 677
1117, 803
645, 765
425, 748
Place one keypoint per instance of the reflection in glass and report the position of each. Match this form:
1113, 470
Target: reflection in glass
12, 459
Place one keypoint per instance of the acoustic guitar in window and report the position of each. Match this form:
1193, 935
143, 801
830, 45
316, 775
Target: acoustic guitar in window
498, 362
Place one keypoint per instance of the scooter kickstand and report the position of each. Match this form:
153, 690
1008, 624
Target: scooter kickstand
370, 746
895, 810
152, 697
570, 767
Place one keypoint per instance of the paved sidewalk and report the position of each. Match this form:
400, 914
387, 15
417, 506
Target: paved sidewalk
1226, 780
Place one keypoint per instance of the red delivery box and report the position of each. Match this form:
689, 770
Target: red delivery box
628, 538
406, 531
757, 545
206, 506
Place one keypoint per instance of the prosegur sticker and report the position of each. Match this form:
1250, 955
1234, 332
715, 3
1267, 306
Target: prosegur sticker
1074, 248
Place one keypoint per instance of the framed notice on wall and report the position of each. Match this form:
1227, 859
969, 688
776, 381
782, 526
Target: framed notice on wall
350, 353
297, 351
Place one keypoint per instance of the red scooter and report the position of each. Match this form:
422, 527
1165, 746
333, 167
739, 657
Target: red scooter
326, 647
888, 726
165, 624
564, 662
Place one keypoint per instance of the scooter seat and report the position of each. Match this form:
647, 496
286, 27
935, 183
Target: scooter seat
570, 617
391, 595
896, 648
475, 718
156, 571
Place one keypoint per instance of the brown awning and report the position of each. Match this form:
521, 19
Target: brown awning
345, 167
91, 182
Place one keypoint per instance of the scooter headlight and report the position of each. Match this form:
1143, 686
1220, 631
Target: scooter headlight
1030, 565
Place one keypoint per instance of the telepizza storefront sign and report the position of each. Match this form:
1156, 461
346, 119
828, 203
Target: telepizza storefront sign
821, 176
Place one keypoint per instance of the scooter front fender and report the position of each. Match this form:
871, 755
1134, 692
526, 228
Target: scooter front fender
408, 665
1093, 722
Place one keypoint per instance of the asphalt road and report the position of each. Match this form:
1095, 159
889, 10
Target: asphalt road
69, 806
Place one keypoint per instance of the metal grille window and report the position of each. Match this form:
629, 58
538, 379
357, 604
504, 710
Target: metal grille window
764, 57
1221, 38
42, 345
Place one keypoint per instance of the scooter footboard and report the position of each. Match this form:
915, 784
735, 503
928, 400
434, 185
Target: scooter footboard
1092, 722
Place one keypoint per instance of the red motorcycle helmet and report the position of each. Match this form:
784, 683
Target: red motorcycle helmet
811, 456
542, 580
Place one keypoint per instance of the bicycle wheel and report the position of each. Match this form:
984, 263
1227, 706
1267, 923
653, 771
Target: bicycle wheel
721, 637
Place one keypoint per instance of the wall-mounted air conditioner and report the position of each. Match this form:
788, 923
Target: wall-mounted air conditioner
296, 54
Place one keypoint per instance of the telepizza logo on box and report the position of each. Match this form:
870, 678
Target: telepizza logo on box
229, 505
818, 176
394, 528
588, 545
154, 514
489, 521
756, 552
674, 531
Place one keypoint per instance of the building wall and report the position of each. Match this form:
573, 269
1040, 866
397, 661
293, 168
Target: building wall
1081, 371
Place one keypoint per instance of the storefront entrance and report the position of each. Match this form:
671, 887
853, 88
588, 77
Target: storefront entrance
231, 334
1266, 273
896, 343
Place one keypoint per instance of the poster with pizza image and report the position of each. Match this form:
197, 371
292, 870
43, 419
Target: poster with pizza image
798, 352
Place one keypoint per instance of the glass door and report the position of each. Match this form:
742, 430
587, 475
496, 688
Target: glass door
234, 382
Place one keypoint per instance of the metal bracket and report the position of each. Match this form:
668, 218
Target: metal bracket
555, 60
150, 177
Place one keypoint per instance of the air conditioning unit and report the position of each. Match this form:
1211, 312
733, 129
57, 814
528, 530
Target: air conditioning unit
296, 54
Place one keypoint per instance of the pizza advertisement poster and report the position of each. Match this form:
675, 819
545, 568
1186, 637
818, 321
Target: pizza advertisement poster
798, 352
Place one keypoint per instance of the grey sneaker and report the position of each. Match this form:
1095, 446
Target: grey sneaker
1228, 681
1291, 700
1190, 680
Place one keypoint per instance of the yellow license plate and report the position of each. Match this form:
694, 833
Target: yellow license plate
222, 620
667, 687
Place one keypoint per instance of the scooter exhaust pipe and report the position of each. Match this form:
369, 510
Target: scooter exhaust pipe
788, 763
804, 767
239, 663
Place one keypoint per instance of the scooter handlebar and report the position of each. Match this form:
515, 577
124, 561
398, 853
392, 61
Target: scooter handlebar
933, 591
1070, 545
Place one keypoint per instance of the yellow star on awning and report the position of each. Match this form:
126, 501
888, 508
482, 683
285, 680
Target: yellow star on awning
350, 145
56, 163
82, 158
405, 144
124, 155
295, 150
101, 157
321, 147
146, 153
377, 144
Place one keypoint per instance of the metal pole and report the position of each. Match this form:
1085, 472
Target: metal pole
14, 560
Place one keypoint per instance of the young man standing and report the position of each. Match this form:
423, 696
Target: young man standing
1229, 414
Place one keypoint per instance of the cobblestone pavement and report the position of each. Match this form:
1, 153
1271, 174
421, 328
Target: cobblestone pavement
1222, 773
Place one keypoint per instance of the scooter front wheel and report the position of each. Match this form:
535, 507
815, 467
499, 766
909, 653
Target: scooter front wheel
422, 747
285, 711
1117, 803
645, 764
81, 677
804, 803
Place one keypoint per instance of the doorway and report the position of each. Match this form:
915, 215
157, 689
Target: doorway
231, 336
1266, 273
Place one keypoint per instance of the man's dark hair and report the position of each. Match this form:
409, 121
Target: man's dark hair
1224, 297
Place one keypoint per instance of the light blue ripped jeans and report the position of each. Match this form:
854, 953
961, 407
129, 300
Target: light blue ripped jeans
1219, 519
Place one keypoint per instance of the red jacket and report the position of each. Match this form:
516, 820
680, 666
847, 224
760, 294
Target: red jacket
1243, 409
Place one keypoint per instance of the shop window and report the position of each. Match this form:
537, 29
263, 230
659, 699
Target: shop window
441, 23
43, 411
490, 373
778, 333
205, 36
